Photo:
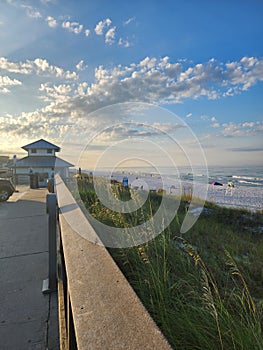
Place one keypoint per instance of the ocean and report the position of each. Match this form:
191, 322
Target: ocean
240, 176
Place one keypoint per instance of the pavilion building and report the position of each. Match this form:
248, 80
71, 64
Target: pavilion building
42, 161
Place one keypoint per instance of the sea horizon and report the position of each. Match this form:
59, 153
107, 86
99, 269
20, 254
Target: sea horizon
239, 175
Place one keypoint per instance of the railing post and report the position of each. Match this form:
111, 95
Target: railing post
50, 284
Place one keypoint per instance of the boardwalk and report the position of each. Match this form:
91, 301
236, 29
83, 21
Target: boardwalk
28, 319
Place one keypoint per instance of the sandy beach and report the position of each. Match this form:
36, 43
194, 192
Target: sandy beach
238, 197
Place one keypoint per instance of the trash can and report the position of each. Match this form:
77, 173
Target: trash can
34, 181
125, 182
50, 185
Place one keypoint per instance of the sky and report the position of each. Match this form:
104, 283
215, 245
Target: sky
183, 77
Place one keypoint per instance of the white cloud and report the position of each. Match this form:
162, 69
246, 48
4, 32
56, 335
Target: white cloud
168, 127
137, 130
73, 27
245, 73
46, 2
6, 81
155, 80
152, 79
41, 64
121, 132
38, 66
52, 23
132, 19
12, 66
248, 124
242, 129
124, 42
110, 36
4, 90
59, 93
100, 27
79, 66
87, 32
216, 125
81, 89
31, 12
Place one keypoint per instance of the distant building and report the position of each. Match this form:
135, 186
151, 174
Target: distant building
41, 160
3, 161
4, 166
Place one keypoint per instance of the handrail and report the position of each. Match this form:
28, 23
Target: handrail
98, 307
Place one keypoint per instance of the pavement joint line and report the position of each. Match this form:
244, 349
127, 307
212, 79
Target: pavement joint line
22, 217
37, 320
24, 254
3, 324
47, 321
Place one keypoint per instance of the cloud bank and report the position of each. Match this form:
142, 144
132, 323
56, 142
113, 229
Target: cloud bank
39, 66
152, 80
5, 82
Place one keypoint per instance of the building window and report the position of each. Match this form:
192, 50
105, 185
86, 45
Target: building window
33, 150
49, 151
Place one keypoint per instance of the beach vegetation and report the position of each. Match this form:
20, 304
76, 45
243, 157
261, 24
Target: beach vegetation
203, 288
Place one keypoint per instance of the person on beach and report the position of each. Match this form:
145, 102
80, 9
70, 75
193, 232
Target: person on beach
229, 189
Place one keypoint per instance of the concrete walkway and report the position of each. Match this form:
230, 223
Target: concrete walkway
28, 318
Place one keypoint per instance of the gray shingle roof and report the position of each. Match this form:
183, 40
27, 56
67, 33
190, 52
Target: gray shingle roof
42, 161
43, 144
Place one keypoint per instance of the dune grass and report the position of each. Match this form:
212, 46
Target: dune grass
204, 290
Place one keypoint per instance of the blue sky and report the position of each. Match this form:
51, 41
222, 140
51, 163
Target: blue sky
202, 61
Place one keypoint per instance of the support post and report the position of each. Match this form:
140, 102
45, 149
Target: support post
50, 284
14, 177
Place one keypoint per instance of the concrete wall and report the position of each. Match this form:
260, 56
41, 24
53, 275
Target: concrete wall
23, 175
107, 314
23, 179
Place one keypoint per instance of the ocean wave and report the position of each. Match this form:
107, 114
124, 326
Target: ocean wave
250, 183
247, 178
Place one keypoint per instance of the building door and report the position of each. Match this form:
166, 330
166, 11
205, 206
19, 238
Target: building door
42, 179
